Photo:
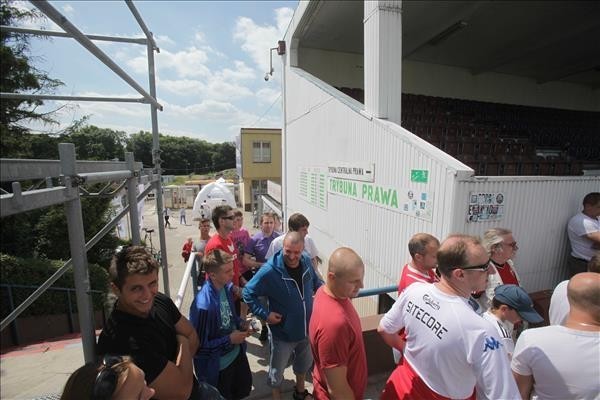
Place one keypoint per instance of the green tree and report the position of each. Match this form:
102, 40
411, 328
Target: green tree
19, 76
141, 145
93, 143
223, 156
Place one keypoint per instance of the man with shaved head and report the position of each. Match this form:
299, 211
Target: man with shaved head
335, 332
563, 362
450, 351
289, 282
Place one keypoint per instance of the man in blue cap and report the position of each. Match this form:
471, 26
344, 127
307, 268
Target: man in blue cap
510, 305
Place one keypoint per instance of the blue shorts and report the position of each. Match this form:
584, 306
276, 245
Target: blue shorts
298, 354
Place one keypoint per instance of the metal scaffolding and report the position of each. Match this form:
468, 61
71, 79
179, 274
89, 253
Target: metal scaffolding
73, 174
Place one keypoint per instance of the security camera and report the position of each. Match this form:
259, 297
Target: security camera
267, 77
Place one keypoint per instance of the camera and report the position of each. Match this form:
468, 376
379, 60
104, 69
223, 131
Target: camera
266, 77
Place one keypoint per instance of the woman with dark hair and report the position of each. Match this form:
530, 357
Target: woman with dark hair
115, 378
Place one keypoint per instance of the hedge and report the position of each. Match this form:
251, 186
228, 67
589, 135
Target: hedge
15, 270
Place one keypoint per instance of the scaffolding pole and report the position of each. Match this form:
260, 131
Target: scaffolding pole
78, 254
64, 23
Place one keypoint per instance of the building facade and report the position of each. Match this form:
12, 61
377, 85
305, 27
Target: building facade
258, 160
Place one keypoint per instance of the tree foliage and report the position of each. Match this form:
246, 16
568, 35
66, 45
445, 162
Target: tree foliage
19, 76
42, 233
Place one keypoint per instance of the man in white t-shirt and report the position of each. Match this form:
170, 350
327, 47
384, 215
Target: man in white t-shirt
584, 234
563, 362
298, 223
510, 305
559, 304
450, 351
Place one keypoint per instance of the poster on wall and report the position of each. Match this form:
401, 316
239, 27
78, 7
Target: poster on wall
410, 201
485, 207
313, 186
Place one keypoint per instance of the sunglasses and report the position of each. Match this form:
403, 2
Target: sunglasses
482, 267
229, 217
513, 244
107, 378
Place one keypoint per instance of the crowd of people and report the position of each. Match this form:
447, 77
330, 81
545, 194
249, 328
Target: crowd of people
461, 327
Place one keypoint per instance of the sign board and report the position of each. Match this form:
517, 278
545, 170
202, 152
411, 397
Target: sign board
357, 172
313, 186
486, 207
407, 201
419, 175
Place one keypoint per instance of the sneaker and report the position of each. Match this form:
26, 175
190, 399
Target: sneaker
264, 334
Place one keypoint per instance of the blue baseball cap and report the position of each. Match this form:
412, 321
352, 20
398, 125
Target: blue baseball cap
515, 297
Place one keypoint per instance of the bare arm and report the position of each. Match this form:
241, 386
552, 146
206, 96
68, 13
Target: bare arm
393, 340
595, 238
337, 383
184, 327
176, 379
525, 384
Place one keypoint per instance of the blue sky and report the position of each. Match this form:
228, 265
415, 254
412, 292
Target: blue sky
210, 69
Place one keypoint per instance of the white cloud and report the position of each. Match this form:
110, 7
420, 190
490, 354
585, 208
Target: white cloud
180, 86
267, 95
257, 40
164, 40
68, 9
222, 85
187, 63
199, 37
240, 73
283, 17
225, 90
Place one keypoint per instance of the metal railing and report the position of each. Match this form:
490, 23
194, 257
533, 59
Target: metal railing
72, 179
14, 328
191, 275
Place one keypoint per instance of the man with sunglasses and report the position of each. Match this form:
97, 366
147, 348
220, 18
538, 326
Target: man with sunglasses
450, 351
223, 217
148, 326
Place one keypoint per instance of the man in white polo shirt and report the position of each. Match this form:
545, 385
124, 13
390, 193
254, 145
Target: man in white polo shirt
450, 351
563, 362
584, 234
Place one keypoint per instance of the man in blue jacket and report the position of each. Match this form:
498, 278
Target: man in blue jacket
221, 358
289, 282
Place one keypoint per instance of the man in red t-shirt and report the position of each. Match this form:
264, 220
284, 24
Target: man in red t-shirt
335, 332
423, 249
222, 217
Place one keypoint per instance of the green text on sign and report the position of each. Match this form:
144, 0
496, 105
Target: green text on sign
419, 175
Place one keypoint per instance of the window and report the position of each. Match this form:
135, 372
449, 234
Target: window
261, 152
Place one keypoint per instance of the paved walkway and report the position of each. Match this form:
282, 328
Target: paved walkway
42, 369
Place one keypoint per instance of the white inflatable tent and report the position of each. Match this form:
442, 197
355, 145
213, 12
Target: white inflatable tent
214, 194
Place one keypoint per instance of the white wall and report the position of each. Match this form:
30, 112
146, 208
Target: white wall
537, 210
322, 129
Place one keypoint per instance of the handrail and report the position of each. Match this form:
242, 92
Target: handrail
186, 275
18, 285
191, 262
376, 291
